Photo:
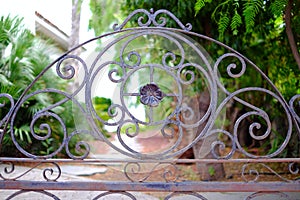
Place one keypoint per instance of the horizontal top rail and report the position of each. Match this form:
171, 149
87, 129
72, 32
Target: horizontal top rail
178, 161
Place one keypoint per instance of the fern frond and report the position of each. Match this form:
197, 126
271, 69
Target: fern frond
236, 21
200, 4
277, 7
223, 23
250, 10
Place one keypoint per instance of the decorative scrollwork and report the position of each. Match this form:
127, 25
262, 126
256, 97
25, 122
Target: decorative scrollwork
40, 127
43, 126
48, 172
250, 172
67, 70
221, 144
294, 168
46, 193
259, 194
256, 125
114, 74
81, 147
152, 19
37, 136
171, 175
168, 129
187, 113
229, 69
232, 65
188, 75
113, 112
292, 106
127, 131
8, 170
193, 194
12, 103
253, 171
130, 57
174, 66
111, 193
169, 55
179, 63
133, 172
130, 131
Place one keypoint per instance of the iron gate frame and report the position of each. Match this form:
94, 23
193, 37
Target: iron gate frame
151, 99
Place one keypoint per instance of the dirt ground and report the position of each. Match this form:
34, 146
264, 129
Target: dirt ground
186, 172
180, 172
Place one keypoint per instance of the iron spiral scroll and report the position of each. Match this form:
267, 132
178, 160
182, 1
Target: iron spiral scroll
164, 73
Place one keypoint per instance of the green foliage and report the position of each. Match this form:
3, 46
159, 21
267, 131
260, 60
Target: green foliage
276, 143
104, 15
48, 146
242, 15
223, 23
101, 106
11, 25
22, 133
200, 4
23, 56
211, 171
95, 7
235, 23
259, 26
277, 7
250, 10
189, 173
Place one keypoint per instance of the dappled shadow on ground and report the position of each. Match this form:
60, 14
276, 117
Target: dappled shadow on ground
179, 172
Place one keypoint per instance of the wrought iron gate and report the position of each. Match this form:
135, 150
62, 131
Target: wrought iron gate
160, 82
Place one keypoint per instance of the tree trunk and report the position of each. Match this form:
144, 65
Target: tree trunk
202, 149
74, 37
289, 32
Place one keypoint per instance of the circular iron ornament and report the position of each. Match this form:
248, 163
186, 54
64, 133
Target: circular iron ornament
175, 63
151, 95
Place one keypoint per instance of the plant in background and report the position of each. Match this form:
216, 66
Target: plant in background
211, 171
22, 57
265, 31
101, 106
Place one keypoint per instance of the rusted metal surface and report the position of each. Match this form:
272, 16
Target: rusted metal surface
152, 186
156, 69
